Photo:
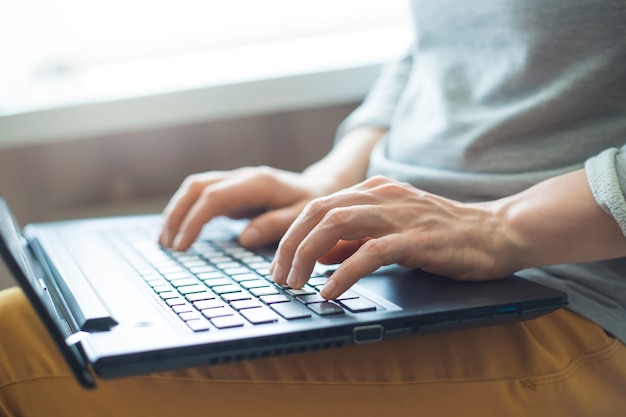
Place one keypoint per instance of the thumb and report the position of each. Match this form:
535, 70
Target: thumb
269, 227
342, 251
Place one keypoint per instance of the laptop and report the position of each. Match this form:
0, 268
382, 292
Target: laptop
117, 304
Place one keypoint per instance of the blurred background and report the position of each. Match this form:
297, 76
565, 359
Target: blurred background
105, 107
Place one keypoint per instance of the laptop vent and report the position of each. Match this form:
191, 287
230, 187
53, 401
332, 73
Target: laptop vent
265, 353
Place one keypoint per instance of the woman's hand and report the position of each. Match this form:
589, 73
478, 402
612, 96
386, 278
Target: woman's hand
381, 222
276, 197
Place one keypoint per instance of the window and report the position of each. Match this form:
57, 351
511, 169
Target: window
45, 40
65, 54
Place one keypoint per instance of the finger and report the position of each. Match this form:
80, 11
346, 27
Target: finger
368, 258
269, 227
308, 219
371, 182
287, 246
220, 199
182, 201
341, 251
345, 223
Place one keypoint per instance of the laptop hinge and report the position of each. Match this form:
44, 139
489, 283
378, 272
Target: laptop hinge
88, 314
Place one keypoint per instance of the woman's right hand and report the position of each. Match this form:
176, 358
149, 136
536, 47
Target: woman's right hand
276, 197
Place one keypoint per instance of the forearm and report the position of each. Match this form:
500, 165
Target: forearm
558, 221
346, 164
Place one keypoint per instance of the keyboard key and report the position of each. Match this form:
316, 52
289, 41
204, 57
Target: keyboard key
311, 298
245, 277
185, 256
209, 252
163, 288
326, 308
347, 295
259, 315
211, 275
225, 289
227, 265
198, 325
257, 265
177, 275
156, 282
262, 291
274, 298
169, 294
236, 296
184, 281
217, 281
263, 271
190, 315
175, 301
171, 268
252, 259
219, 259
243, 304
302, 291
317, 281
197, 296
291, 310
152, 276
194, 263
227, 322
237, 252
358, 305
213, 303
236, 271
188, 289
201, 269
254, 284
182, 308
211, 313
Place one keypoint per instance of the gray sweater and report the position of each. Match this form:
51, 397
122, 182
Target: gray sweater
496, 95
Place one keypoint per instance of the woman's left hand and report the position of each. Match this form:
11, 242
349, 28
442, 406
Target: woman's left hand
381, 222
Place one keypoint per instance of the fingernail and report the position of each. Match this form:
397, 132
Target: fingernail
278, 275
177, 241
169, 240
292, 279
328, 291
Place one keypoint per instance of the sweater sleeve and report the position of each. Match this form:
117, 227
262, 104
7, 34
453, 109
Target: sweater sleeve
379, 105
606, 173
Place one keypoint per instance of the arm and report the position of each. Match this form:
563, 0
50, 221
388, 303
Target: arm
346, 164
380, 222
581, 216
559, 221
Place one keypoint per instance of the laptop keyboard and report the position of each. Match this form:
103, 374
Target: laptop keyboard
217, 284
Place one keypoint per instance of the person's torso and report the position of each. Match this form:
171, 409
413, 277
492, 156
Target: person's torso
507, 92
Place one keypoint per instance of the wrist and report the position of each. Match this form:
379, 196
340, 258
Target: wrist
325, 180
515, 240
346, 164
558, 221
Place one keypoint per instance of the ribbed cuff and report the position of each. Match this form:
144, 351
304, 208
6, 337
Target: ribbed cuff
605, 185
